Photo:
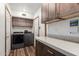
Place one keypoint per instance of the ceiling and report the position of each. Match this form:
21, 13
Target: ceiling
27, 7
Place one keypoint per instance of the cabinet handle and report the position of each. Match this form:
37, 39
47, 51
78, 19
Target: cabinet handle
50, 52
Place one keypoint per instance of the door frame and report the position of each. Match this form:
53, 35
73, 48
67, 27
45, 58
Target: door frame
38, 26
6, 8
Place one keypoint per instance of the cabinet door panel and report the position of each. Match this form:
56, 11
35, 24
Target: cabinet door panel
20, 22
75, 7
68, 10
65, 9
45, 10
44, 50
57, 10
51, 11
39, 49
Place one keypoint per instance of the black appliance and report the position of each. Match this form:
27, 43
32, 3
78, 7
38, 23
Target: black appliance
22, 39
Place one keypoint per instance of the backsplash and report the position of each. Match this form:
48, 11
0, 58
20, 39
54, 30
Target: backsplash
63, 30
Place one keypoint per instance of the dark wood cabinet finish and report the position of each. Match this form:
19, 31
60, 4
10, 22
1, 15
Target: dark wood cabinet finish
44, 11
65, 9
44, 50
21, 22
68, 10
38, 50
76, 7
52, 11
61, 11
48, 12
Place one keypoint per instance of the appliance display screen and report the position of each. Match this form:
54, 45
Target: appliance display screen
74, 22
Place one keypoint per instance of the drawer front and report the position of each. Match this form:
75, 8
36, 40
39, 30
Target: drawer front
44, 50
50, 53
47, 51
54, 52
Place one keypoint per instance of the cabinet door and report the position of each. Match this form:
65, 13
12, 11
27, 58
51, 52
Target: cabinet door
20, 22
51, 11
68, 10
44, 11
44, 50
57, 10
65, 9
39, 49
75, 7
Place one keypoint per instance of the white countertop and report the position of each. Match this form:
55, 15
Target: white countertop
65, 47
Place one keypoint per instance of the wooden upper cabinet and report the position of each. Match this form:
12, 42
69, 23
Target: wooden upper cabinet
48, 12
21, 22
75, 7
52, 11
68, 10
44, 12
59, 11
65, 9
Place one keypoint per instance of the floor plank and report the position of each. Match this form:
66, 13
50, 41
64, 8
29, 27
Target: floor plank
27, 51
18, 52
26, 54
12, 53
33, 51
22, 52
15, 54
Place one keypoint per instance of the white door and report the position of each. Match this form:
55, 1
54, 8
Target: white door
36, 27
8, 32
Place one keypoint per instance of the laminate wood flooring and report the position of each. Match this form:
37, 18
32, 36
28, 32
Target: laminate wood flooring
27, 51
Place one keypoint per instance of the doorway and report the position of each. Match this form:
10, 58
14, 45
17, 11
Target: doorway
7, 32
36, 27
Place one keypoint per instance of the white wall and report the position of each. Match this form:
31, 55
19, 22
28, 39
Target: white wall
21, 29
62, 30
42, 26
2, 29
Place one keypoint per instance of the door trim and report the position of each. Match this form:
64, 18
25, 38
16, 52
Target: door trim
38, 24
5, 31
5, 26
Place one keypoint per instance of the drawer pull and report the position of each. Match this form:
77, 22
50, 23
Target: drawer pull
50, 52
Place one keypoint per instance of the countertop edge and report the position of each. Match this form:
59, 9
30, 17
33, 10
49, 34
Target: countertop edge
56, 48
